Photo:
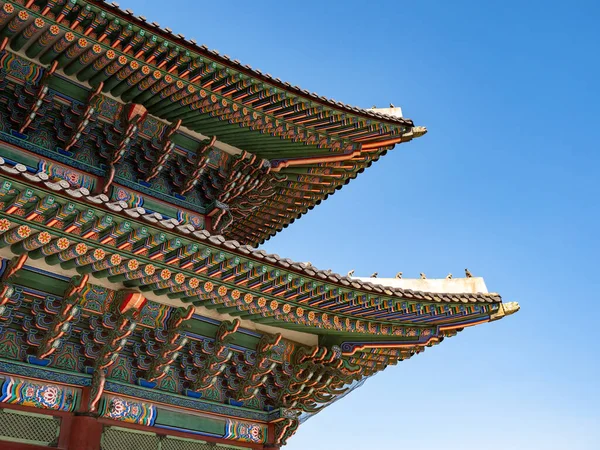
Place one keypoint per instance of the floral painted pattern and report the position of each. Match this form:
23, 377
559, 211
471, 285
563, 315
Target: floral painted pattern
118, 408
24, 392
245, 431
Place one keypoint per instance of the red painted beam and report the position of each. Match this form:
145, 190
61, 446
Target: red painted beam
5, 445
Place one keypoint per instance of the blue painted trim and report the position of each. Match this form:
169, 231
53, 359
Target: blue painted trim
192, 394
146, 384
38, 362
45, 373
46, 273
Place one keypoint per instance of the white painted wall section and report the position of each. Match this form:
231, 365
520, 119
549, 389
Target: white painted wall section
474, 285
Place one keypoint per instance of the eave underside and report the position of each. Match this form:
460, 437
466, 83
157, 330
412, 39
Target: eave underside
303, 136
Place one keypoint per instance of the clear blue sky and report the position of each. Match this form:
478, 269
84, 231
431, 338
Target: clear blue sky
505, 183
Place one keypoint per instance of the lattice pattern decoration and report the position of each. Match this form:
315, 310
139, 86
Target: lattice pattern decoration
32, 428
115, 438
170, 443
118, 439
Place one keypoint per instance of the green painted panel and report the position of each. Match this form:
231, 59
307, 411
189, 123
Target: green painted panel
190, 422
38, 281
245, 340
73, 90
19, 156
201, 327
208, 329
186, 142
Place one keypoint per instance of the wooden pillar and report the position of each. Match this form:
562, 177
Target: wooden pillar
65, 431
86, 432
270, 444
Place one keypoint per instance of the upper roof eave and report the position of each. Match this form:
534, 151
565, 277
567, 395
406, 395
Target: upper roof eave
246, 69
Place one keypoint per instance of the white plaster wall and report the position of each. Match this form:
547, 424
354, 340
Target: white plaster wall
453, 286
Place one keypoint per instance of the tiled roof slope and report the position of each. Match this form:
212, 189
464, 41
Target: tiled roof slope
233, 246
203, 50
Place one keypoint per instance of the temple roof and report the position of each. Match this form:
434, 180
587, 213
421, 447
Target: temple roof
138, 172
368, 324
368, 299
308, 146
